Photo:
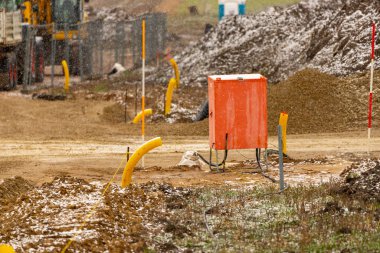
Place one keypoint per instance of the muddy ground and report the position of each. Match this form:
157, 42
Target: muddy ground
63, 153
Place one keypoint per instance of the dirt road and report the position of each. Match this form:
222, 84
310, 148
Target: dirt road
41, 140
41, 161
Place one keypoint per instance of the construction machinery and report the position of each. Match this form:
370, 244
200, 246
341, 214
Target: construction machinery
56, 24
10, 40
31, 31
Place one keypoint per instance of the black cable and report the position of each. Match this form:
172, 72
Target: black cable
261, 169
214, 164
210, 163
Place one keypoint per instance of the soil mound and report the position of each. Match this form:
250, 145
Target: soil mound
332, 36
318, 102
362, 180
12, 188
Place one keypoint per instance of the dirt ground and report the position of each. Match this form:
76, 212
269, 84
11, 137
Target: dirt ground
41, 140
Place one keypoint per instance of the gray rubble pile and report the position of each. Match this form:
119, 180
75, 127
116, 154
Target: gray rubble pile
109, 14
332, 36
113, 26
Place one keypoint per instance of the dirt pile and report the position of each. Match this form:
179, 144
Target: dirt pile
318, 102
362, 179
125, 221
332, 36
185, 103
13, 188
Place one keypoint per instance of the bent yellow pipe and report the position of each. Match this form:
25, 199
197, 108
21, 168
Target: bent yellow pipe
67, 75
136, 157
169, 94
284, 123
4, 248
176, 71
138, 117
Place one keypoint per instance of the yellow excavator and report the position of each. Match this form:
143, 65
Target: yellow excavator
57, 20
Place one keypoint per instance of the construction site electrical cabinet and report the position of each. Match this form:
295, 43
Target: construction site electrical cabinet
238, 112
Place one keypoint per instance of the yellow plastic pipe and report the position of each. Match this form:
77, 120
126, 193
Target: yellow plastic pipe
284, 123
67, 75
4, 248
138, 117
169, 94
27, 12
136, 157
176, 71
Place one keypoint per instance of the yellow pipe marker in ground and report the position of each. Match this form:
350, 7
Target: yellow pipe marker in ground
284, 123
142, 114
4, 248
67, 76
137, 155
169, 93
176, 71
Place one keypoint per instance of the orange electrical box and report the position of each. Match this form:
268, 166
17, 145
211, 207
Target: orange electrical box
238, 108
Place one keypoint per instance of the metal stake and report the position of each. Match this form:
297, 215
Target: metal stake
281, 159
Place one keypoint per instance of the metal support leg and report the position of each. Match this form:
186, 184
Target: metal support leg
217, 160
210, 159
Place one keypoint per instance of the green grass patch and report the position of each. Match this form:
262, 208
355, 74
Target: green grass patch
302, 219
101, 87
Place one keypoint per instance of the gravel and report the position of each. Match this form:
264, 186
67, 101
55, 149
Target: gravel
362, 179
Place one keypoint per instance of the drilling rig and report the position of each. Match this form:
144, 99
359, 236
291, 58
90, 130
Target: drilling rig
27, 29
58, 20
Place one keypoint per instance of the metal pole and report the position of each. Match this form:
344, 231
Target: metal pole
80, 53
101, 50
136, 98
123, 45
143, 87
33, 59
52, 58
27, 59
67, 52
281, 159
125, 107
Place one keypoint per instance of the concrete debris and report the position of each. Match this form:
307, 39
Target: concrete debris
190, 158
116, 70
